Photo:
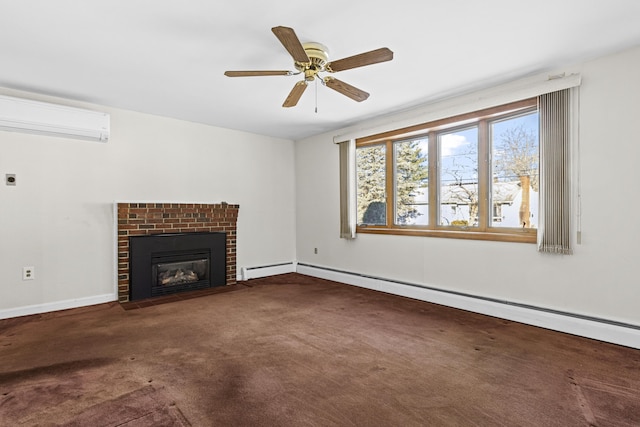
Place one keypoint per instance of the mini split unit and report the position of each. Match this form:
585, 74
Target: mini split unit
22, 115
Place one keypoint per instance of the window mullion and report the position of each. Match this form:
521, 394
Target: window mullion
433, 180
484, 176
390, 198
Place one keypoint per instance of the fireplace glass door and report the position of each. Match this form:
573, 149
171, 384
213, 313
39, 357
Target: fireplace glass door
177, 273
163, 264
173, 273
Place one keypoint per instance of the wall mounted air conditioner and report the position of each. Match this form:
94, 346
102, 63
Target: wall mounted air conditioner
23, 115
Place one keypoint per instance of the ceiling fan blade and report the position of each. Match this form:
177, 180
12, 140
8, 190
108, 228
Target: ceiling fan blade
372, 57
256, 73
346, 89
295, 94
290, 41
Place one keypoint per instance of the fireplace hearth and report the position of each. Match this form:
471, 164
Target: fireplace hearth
163, 264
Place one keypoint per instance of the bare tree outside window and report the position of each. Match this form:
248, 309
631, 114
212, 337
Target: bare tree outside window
515, 166
459, 177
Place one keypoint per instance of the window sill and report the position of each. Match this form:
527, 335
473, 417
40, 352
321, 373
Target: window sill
510, 235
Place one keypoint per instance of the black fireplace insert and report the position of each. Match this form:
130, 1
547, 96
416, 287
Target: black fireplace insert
162, 264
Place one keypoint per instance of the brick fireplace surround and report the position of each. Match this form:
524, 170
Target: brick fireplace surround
139, 219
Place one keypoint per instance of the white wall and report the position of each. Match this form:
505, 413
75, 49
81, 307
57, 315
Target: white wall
59, 216
599, 280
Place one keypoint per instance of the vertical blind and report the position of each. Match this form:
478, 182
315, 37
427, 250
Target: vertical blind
554, 229
347, 190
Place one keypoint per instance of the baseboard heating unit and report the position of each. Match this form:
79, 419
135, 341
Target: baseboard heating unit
575, 324
247, 273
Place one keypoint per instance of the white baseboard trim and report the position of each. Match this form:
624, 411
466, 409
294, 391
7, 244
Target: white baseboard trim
247, 273
599, 329
55, 306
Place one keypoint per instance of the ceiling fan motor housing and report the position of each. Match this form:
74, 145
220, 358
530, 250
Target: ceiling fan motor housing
318, 55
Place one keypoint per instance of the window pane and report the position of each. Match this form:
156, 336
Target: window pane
370, 164
411, 182
458, 198
514, 184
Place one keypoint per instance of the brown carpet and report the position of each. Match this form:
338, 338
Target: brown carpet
297, 351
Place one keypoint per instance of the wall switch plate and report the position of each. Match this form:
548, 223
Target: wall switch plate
28, 273
10, 178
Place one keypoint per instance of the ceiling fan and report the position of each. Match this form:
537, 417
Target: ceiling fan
311, 59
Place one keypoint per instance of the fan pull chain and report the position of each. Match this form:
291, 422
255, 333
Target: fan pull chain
316, 80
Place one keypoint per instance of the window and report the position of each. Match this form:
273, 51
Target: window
458, 177
371, 185
472, 176
411, 177
514, 181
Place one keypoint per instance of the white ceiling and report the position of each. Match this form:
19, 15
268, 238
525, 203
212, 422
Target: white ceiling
167, 57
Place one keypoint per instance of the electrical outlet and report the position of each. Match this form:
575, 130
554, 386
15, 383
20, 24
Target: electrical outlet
28, 273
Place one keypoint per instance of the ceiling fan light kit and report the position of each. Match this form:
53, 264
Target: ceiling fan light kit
311, 59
